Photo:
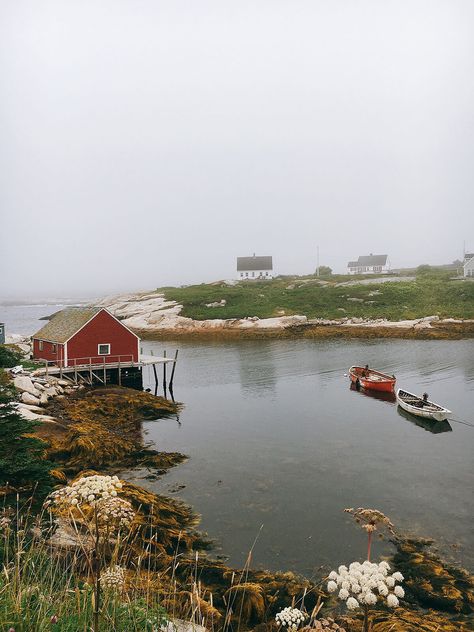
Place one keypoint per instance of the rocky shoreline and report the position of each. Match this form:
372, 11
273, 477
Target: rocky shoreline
151, 316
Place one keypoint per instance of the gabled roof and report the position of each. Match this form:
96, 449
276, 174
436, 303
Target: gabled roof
66, 323
468, 256
369, 260
254, 263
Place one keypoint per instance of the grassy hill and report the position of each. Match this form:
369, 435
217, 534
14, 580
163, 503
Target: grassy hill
433, 292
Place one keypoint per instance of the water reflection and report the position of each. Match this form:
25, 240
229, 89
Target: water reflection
435, 427
380, 395
257, 372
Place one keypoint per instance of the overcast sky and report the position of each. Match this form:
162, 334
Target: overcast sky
149, 142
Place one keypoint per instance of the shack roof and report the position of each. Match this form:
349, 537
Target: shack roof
369, 260
64, 324
254, 263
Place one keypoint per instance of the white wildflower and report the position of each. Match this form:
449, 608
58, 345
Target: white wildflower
113, 578
290, 618
115, 511
365, 584
86, 490
383, 590
398, 577
370, 598
352, 604
392, 601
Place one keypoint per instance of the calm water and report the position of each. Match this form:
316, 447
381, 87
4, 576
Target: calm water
277, 438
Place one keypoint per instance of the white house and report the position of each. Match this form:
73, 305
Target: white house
254, 268
369, 264
469, 264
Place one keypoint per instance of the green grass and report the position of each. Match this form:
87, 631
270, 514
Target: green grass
429, 294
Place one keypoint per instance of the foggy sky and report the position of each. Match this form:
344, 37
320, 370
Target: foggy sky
148, 142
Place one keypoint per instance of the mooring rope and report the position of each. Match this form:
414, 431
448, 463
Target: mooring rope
464, 422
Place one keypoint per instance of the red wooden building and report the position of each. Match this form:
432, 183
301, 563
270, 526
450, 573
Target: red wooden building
85, 336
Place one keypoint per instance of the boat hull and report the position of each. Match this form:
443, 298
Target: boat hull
375, 381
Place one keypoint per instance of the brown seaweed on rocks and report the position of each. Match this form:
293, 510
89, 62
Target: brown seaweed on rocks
432, 583
101, 428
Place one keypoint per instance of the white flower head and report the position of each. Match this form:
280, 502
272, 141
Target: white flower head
365, 584
290, 618
392, 601
352, 604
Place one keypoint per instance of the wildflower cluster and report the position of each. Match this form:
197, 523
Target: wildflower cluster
371, 519
113, 578
290, 618
364, 584
115, 511
86, 490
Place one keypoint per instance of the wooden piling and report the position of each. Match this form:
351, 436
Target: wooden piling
173, 369
164, 373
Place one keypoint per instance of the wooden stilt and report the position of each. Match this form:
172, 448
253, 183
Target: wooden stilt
156, 376
119, 374
164, 372
173, 369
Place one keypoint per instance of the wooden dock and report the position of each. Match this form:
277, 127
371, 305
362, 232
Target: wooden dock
89, 371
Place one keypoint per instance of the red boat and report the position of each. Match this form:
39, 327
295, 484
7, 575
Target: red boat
372, 379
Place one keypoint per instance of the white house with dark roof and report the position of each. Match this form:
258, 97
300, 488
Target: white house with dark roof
254, 268
469, 264
369, 264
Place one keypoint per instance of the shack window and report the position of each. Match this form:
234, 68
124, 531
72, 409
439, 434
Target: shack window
40, 345
104, 349
53, 348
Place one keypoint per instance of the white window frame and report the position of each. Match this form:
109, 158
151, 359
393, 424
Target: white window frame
103, 344
40, 345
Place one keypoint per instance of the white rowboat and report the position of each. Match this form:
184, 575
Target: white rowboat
420, 408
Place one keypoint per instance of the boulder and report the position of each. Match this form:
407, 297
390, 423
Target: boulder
34, 409
51, 391
38, 386
23, 383
44, 398
62, 382
28, 398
